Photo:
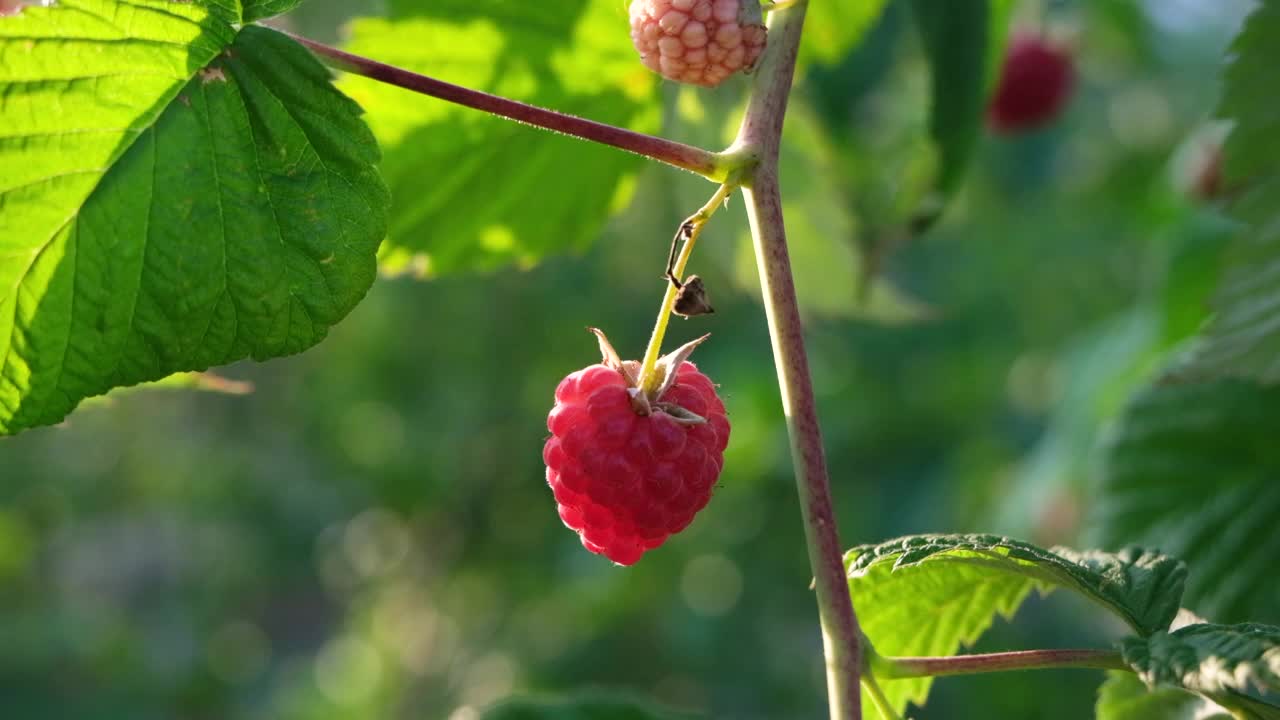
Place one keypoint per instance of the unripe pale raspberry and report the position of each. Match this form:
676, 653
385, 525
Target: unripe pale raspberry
626, 481
1035, 83
697, 41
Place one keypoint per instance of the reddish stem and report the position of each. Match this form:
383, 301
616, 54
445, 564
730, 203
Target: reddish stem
908, 667
686, 157
759, 137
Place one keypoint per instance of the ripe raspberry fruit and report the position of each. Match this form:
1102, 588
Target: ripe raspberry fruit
629, 468
697, 41
1035, 83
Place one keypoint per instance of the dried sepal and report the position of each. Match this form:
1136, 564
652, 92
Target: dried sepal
665, 371
610, 358
692, 298
639, 401
631, 371
680, 415
668, 365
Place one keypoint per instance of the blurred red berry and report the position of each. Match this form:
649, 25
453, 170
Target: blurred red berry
1036, 82
625, 481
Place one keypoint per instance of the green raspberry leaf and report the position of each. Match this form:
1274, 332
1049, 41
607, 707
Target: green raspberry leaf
1226, 663
905, 591
1208, 657
584, 706
1243, 339
175, 193
964, 44
955, 41
206, 382
833, 29
1124, 697
262, 9
1195, 469
508, 193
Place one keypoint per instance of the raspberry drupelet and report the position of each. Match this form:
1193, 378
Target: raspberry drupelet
701, 42
624, 480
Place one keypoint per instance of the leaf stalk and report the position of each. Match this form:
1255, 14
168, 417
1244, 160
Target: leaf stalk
691, 229
893, 668
686, 157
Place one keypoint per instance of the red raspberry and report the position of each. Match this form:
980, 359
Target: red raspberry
625, 480
697, 41
1035, 84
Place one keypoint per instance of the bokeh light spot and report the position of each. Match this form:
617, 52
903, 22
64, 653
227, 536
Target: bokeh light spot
348, 670
375, 542
711, 585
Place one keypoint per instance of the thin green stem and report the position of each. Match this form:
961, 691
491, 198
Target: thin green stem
892, 668
778, 5
686, 157
883, 706
758, 138
694, 224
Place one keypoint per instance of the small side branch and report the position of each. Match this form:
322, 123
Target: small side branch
908, 667
685, 157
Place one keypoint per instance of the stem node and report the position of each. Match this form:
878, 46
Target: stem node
738, 163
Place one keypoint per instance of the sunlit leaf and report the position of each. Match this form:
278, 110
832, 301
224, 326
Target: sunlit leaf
475, 192
194, 381
176, 192
1223, 662
1124, 697
261, 9
906, 591
833, 29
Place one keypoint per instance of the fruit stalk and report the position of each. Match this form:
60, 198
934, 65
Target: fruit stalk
778, 5
694, 223
760, 135
685, 157
878, 698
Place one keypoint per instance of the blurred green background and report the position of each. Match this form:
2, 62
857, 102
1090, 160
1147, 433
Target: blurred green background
368, 534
